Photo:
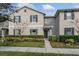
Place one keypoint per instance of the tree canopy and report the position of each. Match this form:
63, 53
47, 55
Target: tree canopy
5, 9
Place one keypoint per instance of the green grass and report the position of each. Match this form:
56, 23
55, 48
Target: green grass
33, 54
24, 44
63, 45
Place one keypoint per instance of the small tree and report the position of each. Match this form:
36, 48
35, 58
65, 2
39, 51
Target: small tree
76, 23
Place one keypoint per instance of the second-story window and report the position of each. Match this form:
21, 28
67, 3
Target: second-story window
68, 15
17, 19
33, 18
46, 21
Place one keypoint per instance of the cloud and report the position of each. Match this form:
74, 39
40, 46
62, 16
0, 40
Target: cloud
76, 6
20, 5
48, 7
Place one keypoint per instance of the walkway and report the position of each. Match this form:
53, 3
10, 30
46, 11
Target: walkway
40, 50
47, 44
47, 49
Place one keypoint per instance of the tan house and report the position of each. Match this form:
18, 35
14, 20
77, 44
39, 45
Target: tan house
27, 21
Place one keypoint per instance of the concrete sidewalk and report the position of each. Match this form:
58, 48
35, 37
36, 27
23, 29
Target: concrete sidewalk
39, 50
47, 49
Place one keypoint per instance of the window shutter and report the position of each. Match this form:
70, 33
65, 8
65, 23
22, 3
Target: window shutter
30, 18
64, 31
36, 31
14, 19
72, 15
36, 18
72, 31
19, 19
14, 31
65, 16
30, 31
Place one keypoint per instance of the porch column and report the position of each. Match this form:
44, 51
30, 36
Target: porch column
3, 36
2, 33
50, 32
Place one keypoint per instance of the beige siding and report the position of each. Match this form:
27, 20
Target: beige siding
51, 21
25, 18
67, 23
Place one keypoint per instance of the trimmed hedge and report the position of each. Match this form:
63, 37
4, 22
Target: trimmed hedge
24, 38
62, 38
52, 38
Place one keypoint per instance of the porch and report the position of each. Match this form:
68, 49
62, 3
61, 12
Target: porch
48, 31
4, 31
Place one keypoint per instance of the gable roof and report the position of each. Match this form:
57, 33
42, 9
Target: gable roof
28, 8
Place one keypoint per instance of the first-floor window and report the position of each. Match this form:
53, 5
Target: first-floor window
69, 31
17, 31
33, 31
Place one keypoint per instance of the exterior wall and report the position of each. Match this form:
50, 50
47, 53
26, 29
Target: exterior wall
67, 23
51, 24
25, 18
57, 25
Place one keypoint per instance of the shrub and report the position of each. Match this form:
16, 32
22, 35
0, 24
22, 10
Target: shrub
62, 38
52, 38
69, 41
24, 38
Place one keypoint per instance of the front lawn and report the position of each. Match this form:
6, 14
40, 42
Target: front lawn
24, 44
33, 54
63, 45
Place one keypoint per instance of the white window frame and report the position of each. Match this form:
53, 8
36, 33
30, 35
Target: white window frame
69, 15
17, 19
34, 18
69, 29
32, 33
17, 31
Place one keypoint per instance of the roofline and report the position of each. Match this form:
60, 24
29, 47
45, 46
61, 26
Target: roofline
28, 8
64, 10
57, 12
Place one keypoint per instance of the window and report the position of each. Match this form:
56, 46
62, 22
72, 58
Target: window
69, 31
46, 21
33, 18
17, 31
69, 15
25, 10
17, 19
33, 31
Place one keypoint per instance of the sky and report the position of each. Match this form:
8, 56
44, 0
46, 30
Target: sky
49, 8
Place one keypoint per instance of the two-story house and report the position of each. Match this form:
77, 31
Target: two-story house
62, 23
64, 19
27, 21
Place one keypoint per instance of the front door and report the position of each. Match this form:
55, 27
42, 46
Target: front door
46, 34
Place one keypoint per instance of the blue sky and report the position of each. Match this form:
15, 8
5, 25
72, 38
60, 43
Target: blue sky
50, 8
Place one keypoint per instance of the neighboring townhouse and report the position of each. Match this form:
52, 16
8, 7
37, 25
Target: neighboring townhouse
27, 21
61, 23
4, 27
64, 19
